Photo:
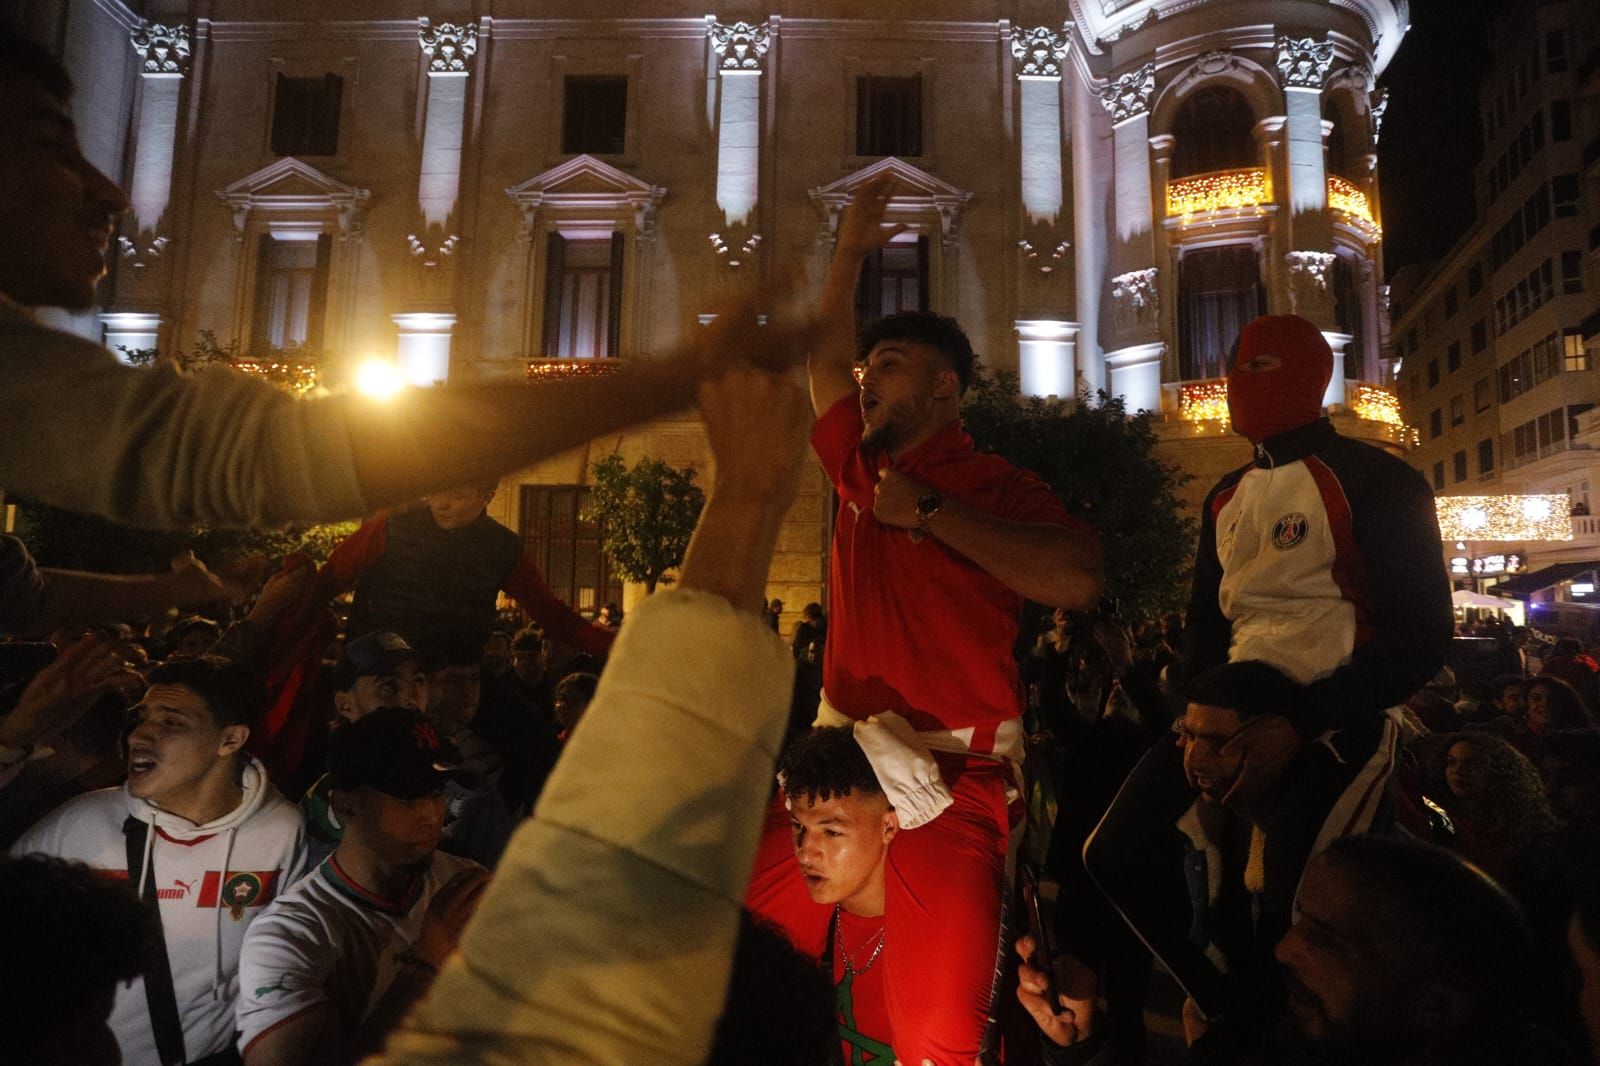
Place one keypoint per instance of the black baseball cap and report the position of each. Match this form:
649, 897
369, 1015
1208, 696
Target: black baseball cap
395, 750
370, 656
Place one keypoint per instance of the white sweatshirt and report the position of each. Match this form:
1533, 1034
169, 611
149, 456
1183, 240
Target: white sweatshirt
212, 881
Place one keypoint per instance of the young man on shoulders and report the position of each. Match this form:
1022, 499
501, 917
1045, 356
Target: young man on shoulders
935, 548
205, 841
841, 825
336, 962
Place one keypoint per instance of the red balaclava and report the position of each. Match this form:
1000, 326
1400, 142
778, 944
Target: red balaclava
1264, 403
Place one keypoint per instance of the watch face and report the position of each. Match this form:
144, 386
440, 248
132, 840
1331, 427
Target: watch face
928, 503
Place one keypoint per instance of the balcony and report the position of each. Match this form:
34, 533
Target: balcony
1219, 190
1203, 405
570, 369
1347, 199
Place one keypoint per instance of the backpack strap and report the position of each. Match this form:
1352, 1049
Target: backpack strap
158, 991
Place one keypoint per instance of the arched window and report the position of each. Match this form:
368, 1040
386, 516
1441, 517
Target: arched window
1219, 290
1347, 317
1213, 132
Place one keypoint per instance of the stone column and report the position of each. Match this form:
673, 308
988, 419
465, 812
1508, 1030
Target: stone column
1047, 357
164, 52
1135, 362
1304, 64
741, 50
1039, 52
449, 49
1091, 208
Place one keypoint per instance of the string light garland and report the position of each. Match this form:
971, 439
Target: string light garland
1344, 196
1203, 401
1377, 405
1217, 191
568, 369
1506, 518
298, 378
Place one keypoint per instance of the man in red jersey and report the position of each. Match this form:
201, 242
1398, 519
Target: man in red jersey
935, 547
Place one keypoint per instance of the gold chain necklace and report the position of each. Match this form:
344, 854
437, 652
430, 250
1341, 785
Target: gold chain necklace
838, 938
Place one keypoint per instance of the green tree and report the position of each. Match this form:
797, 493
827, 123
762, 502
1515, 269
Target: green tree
73, 541
1101, 462
645, 514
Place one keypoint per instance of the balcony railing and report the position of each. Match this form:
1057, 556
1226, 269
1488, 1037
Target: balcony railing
568, 369
296, 377
1206, 403
1219, 190
1345, 197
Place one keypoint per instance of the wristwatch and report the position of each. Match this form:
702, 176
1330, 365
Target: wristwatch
928, 505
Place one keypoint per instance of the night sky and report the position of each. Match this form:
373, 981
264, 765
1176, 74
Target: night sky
1432, 136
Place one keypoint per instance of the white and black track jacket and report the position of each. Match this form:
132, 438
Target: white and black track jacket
1322, 558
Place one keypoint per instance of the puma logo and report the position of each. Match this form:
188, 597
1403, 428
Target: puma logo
279, 987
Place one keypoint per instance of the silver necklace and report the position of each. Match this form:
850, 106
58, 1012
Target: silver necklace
838, 938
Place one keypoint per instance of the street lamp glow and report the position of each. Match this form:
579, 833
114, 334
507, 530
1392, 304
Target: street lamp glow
379, 379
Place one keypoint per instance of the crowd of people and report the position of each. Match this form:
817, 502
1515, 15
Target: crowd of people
404, 805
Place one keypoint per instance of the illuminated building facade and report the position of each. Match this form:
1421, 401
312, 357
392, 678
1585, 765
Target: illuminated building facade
1101, 191
1499, 343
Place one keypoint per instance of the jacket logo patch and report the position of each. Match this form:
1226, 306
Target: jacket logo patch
1290, 531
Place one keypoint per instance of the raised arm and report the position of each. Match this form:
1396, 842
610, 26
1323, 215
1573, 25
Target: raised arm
609, 930
832, 362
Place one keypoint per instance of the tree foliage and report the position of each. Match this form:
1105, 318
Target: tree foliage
1101, 462
73, 541
646, 515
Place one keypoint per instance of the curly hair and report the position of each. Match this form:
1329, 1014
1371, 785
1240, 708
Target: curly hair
939, 332
1568, 709
824, 763
1512, 805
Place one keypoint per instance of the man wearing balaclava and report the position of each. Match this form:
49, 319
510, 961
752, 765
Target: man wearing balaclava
1321, 558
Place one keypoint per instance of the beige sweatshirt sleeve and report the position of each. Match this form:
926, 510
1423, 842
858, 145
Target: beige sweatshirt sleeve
159, 449
607, 934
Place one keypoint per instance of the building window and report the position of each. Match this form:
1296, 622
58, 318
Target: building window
291, 293
1486, 456
1480, 336
583, 297
1438, 475
1459, 460
1574, 357
1555, 52
566, 548
1433, 372
1435, 424
1452, 302
1213, 132
1452, 357
1564, 193
594, 119
1458, 410
1219, 291
889, 115
1480, 395
893, 279
1474, 279
1560, 120
305, 115
1571, 273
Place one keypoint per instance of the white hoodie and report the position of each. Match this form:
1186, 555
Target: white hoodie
212, 880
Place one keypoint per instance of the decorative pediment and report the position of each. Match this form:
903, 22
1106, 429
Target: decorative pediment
585, 184
290, 187
914, 195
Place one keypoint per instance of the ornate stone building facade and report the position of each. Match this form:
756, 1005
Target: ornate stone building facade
1101, 191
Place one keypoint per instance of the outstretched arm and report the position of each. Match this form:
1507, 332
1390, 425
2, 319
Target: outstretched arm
832, 362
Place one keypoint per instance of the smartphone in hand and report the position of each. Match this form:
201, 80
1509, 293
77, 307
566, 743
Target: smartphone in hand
1043, 953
